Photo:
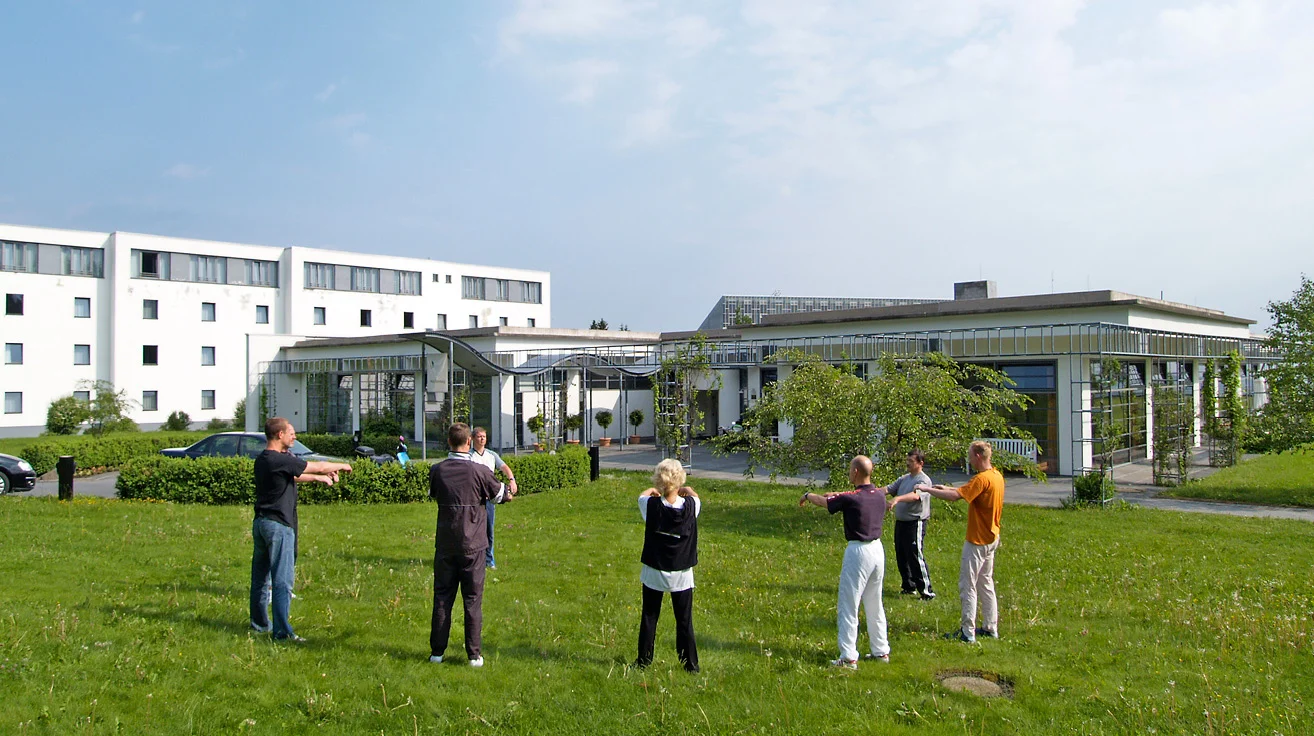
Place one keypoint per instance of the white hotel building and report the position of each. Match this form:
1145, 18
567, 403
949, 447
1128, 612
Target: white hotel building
171, 320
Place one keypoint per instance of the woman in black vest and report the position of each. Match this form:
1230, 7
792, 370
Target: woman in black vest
670, 551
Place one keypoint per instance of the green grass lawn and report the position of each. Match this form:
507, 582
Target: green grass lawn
1284, 479
132, 617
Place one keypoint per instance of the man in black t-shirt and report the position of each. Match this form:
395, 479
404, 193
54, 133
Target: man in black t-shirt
863, 571
274, 530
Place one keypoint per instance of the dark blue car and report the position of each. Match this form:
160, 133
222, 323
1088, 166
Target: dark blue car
237, 444
15, 474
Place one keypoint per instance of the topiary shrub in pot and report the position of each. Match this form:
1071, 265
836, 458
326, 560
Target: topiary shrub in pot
603, 418
636, 419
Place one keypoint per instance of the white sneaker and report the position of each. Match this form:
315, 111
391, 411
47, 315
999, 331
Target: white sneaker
878, 658
477, 662
436, 659
848, 664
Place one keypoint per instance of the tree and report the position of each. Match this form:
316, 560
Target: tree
603, 418
108, 408
929, 402
239, 415
178, 421
1288, 418
598, 324
66, 414
574, 423
741, 318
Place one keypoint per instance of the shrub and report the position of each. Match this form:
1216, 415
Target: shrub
66, 414
1093, 487
216, 425
122, 424
230, 480
339, 445
109, 452
239, 415
636, 418
178, 421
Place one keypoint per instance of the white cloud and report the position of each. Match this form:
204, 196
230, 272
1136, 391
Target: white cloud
324, 94
585, 76
570, 19
185, 172
652, 124
349, 127
691, 34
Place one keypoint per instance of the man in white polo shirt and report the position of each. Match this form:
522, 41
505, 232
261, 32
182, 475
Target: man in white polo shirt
480, 453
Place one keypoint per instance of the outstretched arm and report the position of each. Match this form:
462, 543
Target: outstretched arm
946, 493
327, 479
816, 499
324, 467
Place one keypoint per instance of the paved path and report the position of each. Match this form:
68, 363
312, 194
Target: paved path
93, 485
1134, 483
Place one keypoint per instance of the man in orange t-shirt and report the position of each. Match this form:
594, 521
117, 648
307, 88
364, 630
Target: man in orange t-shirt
976, 577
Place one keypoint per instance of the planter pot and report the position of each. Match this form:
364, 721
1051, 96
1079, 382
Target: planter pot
604, 442
572, 442
539, 447
635, 439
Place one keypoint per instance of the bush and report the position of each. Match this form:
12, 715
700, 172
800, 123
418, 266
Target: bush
1093, 487
239, 416
109, 452
122, 424
544, 471
216, 425
225, 480
339, 445
65, 415
178, 421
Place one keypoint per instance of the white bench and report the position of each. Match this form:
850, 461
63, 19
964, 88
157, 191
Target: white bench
1024, 448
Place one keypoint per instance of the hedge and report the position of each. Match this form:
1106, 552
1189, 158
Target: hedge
215, 480
109, 452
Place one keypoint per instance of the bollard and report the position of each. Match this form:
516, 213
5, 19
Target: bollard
594, 455
65, 467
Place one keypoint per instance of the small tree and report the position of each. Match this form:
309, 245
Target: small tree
604, 419
108, 408
239, 415
636, 419
598, 324
178, 421
574, 423
66, 414
535, 425
216, 425
1288, 419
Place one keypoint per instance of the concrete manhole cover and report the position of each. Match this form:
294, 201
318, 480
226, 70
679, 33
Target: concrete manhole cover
981, 684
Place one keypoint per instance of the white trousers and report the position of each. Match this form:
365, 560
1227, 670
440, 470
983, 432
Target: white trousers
861, 578
976, 577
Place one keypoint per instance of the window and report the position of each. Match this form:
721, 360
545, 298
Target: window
13, 353
150, 309
364, 279
81, 355
207, 311
13, 402
82, 261
366, 318
82, 396
531, 292
14, 305
533, 322
150, 400
502, 321
150, 265
320, 316
437, 278
150, 354
18, 257
442, 322
408, 282
472, 287
209, 269
207, 355
474, 321
408, 320
207, 398
262, 273
82, 307
320, 275
499, 290
449, 278
262, 314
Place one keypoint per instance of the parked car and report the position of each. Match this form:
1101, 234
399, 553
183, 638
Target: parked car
237, 444
15, 474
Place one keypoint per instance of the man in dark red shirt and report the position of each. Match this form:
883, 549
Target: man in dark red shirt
461, 488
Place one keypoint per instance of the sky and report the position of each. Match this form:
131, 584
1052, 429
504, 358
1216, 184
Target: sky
655, 155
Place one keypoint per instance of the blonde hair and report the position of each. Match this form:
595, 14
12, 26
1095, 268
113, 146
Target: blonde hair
668, 476
981, 449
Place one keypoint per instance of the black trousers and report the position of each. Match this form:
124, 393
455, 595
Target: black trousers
449, 572
685, 646
913, 572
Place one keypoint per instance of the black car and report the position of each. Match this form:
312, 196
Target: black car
237, 444
15, 474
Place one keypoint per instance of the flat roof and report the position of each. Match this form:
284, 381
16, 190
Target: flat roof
616, 336
962, 307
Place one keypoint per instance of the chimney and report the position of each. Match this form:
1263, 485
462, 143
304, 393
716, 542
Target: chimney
975, 290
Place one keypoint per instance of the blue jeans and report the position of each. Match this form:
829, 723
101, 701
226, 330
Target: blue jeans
272, 559
492, 512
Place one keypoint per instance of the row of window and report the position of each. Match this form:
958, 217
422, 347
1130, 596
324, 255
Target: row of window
363, 278
82, 355
150, 400
501, 290
74, 261
408, 319
203, 269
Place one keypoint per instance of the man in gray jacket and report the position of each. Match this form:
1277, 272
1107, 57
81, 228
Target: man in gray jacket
461, 488
912, 512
